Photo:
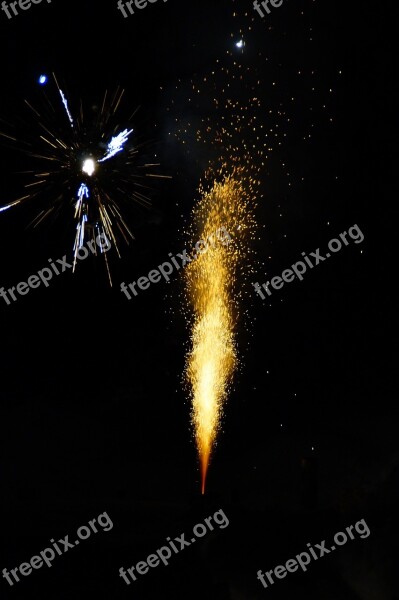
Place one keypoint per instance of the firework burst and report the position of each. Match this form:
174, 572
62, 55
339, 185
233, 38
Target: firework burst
91, 169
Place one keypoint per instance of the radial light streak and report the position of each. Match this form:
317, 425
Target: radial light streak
3, 208
83, 192
80, 235
81, 215
65, 103
214, 301
116, 144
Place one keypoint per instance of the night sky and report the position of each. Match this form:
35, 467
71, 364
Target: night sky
94, 415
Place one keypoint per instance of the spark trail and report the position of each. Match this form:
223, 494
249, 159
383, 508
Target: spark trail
210, 283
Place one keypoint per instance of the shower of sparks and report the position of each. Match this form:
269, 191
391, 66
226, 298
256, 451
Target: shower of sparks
78, 162
211, 282
239, 113
226, 128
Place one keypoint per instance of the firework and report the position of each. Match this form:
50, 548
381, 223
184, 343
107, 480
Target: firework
89, 170
226, 132
213, 295
238, 117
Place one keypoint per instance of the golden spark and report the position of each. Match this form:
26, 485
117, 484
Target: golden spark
223, 219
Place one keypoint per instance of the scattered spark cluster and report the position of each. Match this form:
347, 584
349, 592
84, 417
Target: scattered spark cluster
249, 102
91, 169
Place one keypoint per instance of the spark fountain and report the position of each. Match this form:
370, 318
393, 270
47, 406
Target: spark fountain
210, 284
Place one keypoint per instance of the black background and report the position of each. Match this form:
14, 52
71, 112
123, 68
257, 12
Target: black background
93, 414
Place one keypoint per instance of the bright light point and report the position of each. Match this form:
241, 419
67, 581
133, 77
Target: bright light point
89, 166
43, 79
240, 44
